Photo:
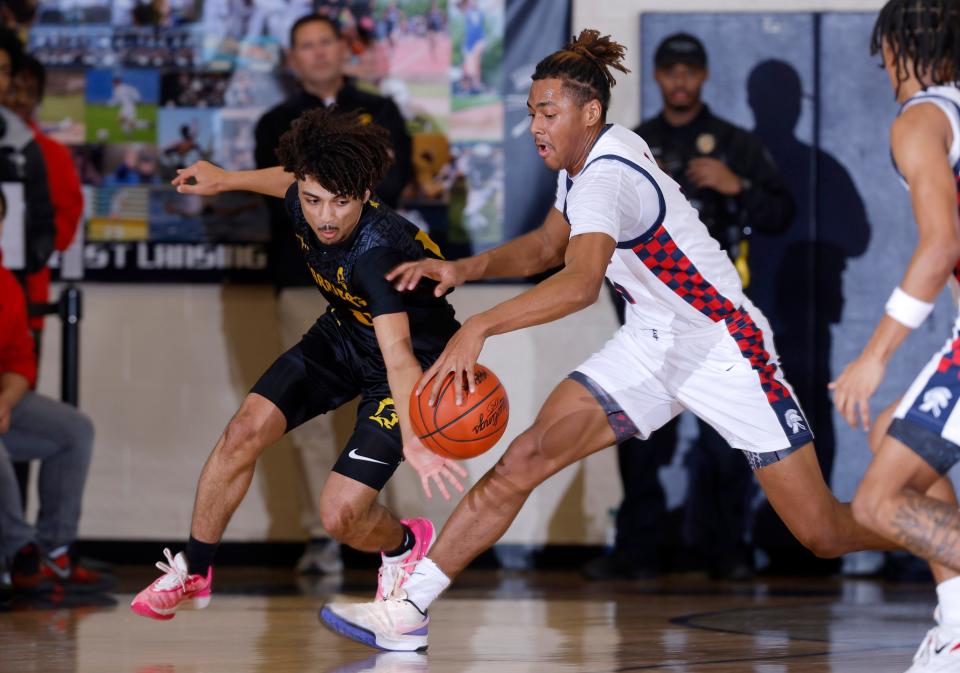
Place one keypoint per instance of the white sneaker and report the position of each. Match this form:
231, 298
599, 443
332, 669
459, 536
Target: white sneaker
321, 557
393, 624
939, 651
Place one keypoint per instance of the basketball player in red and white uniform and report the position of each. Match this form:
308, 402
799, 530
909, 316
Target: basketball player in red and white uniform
691, 341
905, 496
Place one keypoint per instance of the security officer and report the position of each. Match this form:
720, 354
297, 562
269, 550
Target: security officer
726, 173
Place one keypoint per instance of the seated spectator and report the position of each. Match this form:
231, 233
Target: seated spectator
66, 195
35, 427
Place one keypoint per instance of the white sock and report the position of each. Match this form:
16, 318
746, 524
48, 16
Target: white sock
948, 593
425, 583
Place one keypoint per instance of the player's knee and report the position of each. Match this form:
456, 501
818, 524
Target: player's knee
821, 541
523, 465
241, 440
339, 519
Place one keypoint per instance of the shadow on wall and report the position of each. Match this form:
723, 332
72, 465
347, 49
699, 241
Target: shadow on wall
802, 287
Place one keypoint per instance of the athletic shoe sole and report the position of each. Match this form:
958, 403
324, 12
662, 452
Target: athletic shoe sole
369, 638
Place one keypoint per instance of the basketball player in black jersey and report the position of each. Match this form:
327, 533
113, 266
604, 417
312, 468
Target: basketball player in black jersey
372, 342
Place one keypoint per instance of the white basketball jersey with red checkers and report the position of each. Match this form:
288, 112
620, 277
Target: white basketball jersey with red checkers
672, 273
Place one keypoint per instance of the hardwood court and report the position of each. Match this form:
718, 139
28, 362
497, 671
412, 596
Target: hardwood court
491, 623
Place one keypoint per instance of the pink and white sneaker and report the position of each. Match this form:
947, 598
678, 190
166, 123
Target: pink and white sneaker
161, 599
394, 571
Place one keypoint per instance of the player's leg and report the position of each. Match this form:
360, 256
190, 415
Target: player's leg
309, 379
227, 474
570, 426
894, 499
942, 489
224, 480
732, 380
315, 442
349, 509
579, 418
920, 446
936, 651
795, 487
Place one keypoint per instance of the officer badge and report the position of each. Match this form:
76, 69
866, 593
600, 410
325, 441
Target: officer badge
706, 143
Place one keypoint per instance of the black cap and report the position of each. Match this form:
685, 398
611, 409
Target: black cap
680, 48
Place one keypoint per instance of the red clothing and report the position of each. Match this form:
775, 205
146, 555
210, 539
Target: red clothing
16, 343
67, 198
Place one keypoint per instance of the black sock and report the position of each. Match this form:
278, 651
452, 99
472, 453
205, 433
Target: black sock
406, 545
200, 556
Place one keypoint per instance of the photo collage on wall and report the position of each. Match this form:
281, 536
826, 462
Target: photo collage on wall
140, 88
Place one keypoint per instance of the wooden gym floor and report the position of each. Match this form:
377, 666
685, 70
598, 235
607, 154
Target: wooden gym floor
490, 622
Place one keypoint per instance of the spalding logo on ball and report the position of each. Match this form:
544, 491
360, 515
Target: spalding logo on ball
461, 431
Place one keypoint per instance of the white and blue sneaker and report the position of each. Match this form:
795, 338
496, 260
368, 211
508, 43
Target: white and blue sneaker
393, 623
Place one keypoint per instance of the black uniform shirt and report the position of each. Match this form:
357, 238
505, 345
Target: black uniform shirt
350, 275
765, 205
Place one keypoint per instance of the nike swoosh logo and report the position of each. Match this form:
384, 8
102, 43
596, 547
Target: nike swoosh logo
356, 456
62, 573
940, 649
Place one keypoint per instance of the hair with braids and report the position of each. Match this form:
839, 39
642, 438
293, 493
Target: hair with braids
923, 35
343, 152
584, 66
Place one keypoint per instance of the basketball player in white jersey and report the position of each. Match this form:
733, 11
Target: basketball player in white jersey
904, 495
691, 341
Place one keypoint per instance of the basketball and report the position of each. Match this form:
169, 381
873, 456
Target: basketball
461, 431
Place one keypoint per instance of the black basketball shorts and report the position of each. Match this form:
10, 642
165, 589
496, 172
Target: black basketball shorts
325, 371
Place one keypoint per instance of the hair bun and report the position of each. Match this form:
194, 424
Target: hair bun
600, 50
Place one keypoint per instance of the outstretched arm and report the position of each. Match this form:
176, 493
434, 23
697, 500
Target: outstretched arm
206, 179
573, 288
920, 139
534, 252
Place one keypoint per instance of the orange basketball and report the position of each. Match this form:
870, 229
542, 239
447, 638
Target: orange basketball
461, 431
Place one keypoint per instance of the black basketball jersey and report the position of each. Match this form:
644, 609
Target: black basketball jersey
350, 275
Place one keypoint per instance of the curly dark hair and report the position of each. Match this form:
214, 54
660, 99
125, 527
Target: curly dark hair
584, 66
924, 35
344, 152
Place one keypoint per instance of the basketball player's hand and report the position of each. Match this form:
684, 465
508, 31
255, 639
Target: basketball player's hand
855, 386
709, 173
433, 468
201, 178
406, 276
458, 358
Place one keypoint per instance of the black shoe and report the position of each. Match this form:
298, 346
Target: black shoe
618, 566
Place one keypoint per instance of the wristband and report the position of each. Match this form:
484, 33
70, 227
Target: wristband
907, 310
